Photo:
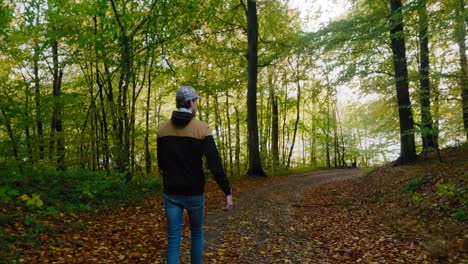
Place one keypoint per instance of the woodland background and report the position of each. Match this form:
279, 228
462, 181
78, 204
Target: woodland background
85, 84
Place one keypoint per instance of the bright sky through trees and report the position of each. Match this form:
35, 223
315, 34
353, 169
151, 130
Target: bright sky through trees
315, 13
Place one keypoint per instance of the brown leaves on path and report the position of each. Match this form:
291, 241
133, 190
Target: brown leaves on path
375, 219
127, 235
330, 216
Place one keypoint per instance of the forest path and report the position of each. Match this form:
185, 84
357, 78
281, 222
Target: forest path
262, 227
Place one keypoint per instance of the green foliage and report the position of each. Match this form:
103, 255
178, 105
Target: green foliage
456, 199
30, 194
461, 215
416, 198
303, 169
413, 185
366, 171
446, 189
7, 194
67, 191
34, 201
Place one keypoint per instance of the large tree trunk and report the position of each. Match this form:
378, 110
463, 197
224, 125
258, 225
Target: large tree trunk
407, 144
428, 135
255, 165
460, 35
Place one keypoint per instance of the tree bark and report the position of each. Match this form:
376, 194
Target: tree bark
296, 123
427, 132
460, 35
148, 101
56, 129
255, 165
6, 121
238, 142
229, 135
274, 130
37, 99
103, 121
407, 144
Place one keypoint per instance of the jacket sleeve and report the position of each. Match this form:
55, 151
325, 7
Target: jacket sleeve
214, 164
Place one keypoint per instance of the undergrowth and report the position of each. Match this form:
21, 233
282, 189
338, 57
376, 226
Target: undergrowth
30, 198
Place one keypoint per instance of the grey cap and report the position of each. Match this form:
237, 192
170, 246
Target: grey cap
186, 93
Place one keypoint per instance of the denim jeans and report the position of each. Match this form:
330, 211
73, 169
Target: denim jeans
195, 205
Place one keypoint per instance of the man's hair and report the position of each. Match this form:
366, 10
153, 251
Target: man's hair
183, 104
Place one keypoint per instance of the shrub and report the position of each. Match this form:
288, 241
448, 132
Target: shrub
414, 185
71, 190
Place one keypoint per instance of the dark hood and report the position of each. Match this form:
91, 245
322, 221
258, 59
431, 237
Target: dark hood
181, 119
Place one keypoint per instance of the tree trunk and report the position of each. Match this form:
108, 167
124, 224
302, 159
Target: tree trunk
407, 144
274, 130
298, 103
6, 121
238, 142
37, 98
255, 166
103, 121
336, 149
56, 129
229, 135
26, 127
148, 101
327, 132
427, 131
460, 35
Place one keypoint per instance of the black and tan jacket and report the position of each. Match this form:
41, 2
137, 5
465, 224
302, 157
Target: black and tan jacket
182, 142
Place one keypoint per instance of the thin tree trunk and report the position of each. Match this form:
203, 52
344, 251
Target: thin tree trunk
336, 150
327, 132
229, 134
26, 127
103, 121
37, 97
148, 101
274, 130
298, 103
238, 141
427, 132
407, 144
56, 130
6, 121
460, 35
284, 128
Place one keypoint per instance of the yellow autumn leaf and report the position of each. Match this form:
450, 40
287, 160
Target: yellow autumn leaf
24, 197
121, 257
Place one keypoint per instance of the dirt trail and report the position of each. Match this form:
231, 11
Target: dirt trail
263, 222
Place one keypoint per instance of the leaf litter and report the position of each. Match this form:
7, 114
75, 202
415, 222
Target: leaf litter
329, 216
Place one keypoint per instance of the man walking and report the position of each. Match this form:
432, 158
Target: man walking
182, 142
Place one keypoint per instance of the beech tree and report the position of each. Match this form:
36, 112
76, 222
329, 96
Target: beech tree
255, 165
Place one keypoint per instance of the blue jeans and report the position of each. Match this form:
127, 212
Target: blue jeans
175, 205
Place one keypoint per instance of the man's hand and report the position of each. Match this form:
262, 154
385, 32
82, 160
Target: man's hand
228, 203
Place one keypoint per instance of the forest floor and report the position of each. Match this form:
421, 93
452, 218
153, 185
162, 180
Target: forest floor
405, 214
